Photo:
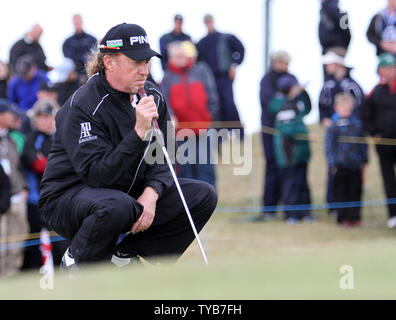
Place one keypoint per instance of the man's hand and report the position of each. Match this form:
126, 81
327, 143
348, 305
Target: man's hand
146, 111
388, 46
148, 200
232, 71
326, 122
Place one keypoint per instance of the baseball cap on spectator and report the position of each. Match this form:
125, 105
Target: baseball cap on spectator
331, 57
5, 106
129, 39
44, 106
24, 64
178, 17
47, 86
285, 82
386, 60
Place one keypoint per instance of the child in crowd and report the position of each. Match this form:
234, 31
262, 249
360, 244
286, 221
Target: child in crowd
346, 158
292, 151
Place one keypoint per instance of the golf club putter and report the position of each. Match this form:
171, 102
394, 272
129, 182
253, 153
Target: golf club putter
161, 141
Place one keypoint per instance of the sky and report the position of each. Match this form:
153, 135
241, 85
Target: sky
293, 28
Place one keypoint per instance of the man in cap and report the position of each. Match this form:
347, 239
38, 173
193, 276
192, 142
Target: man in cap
35, 157
13, 221
176, 34
97, 183
338, 80
280, 60
24, 85
379, 118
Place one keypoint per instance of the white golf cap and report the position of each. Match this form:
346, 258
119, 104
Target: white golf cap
331, 57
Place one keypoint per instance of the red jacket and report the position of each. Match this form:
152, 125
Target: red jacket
191, 95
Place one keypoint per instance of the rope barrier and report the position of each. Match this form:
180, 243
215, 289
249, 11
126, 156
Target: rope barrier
32, 239
273, 131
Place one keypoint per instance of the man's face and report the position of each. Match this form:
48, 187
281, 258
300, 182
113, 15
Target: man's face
387, 73
178, 25
280, 66
45, 122
392, 4
127, 75
331, 68
178, 58
78, 23
6, 119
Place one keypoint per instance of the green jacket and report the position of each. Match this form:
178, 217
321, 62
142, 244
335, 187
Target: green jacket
290, 144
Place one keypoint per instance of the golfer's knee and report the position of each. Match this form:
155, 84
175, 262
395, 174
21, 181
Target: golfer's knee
119, 212
210, 197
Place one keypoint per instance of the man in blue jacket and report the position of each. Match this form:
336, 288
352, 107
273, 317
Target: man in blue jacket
78, 46
176, 34
223, 53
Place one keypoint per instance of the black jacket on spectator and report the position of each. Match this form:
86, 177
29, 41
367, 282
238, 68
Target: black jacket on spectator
77, 47
3, 89
332, 87
379, 112
332, 32
22, 47
5, 191
375, 30
268, 88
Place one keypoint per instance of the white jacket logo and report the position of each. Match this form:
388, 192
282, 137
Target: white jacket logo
139, 39
86, 132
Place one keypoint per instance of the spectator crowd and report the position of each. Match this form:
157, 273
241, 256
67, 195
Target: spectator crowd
198, 88
347, 116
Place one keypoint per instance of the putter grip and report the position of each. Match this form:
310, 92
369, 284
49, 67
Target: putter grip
143, 93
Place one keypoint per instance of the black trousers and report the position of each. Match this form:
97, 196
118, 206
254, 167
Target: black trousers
93, 219
295, 190
272, 176
347, 187
387, 160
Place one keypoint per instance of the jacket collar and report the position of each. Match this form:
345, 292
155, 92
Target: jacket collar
110, 89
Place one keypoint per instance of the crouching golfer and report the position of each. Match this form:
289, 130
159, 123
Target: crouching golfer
97, 184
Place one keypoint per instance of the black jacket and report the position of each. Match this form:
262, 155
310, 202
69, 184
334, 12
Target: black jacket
77, 47
332, 87
268, 89
375, 31
96, 145
379, 112
21, 47
331, 31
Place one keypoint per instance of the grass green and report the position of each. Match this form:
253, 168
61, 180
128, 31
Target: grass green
270, 260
